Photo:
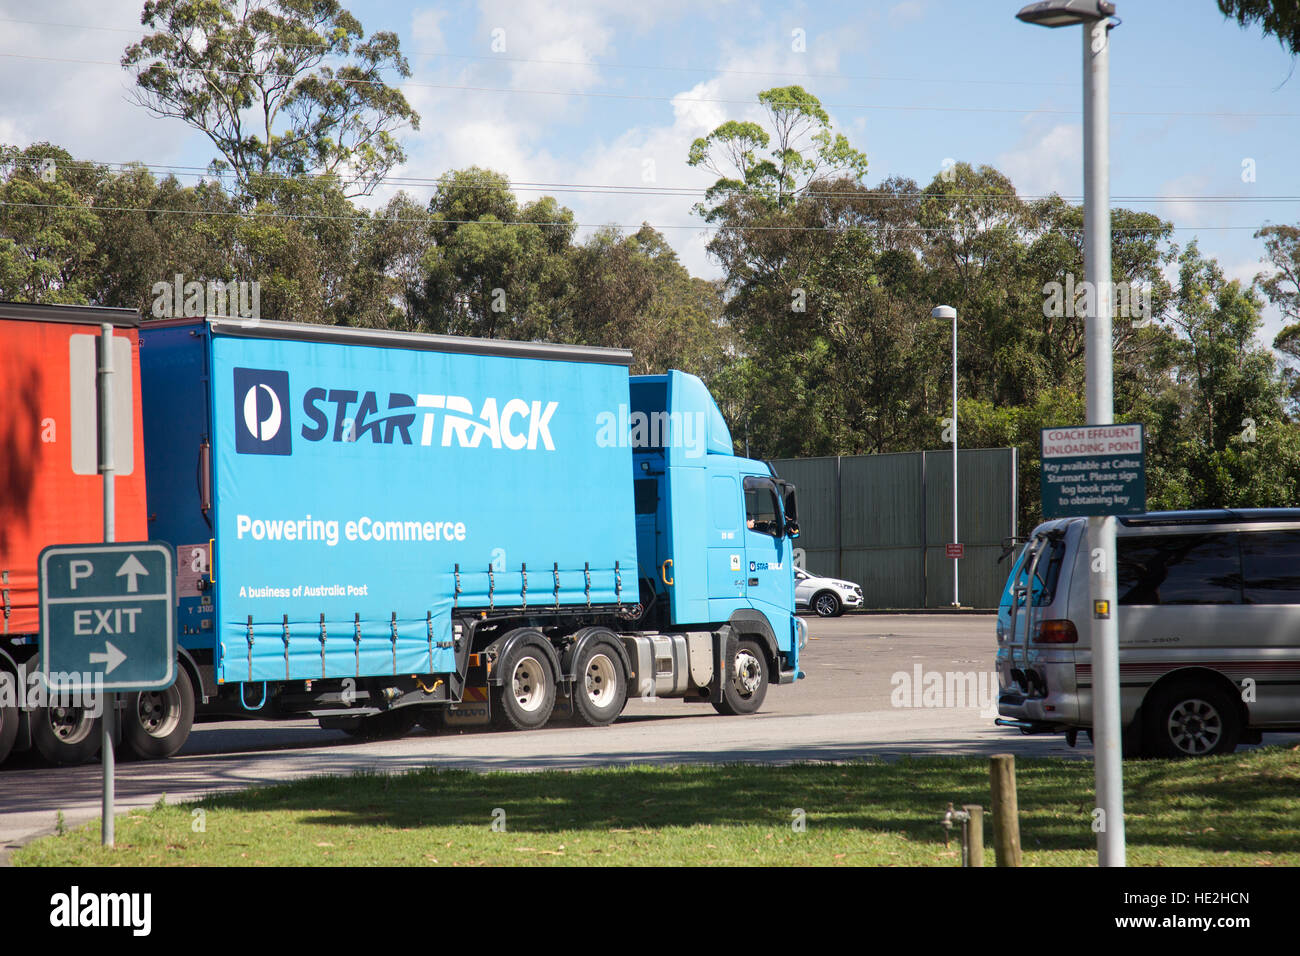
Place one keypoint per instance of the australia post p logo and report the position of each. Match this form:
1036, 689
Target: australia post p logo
262, 412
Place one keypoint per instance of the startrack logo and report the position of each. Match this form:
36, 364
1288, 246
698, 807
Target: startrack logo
516, 425
352, 415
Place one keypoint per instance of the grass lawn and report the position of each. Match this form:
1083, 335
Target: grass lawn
1239, 810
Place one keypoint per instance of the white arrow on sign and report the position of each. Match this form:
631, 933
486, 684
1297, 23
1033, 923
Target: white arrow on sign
111, 656
132, 568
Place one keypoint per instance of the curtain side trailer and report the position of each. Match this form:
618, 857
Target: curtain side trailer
376, 529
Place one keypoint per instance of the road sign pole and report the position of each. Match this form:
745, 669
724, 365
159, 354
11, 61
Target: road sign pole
956, 601
106, 465
1108, 755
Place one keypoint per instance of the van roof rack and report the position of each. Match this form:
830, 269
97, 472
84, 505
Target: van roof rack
1209, 516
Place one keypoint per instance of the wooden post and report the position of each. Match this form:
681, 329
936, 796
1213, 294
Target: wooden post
1006, 818
976, 830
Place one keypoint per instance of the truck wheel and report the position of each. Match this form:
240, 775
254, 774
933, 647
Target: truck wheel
389, 725
431, 718
744, 693
8, 713
826, 604
600, 686
1192, 720
156, 724
526, 696
65, 735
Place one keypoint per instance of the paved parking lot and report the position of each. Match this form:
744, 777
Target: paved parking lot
843, 710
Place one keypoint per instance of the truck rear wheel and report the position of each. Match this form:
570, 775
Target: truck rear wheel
65, 735
743, 693
156, 724
600, 686
8, 713
526, 696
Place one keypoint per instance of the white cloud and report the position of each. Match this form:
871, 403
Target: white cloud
1046, 161
82, 106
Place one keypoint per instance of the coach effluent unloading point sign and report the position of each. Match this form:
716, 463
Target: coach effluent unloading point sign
1093, 470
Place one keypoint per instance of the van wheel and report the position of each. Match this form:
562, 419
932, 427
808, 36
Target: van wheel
8, 713
1192, 720
600, 686
65, 736
526, 695
744, 692
156, 724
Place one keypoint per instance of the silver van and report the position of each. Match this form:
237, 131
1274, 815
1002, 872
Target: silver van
1209, 630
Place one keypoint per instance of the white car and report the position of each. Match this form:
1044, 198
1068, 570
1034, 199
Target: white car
827, 596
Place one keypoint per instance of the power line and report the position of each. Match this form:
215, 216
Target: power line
645, 97
646, 190
362, 219
609, 64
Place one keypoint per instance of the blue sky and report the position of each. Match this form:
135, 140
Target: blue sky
912, 83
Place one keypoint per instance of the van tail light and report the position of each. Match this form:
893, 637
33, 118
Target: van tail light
1056, 632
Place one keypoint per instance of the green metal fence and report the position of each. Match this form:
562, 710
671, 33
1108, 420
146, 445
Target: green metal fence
883, 521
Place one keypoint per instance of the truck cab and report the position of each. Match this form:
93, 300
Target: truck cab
715, 532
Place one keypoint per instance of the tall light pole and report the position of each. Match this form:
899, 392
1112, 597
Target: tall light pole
948, 312
1093, 16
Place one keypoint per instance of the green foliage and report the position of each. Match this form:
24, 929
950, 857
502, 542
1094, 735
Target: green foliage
803, 148
1281, 18
280, 87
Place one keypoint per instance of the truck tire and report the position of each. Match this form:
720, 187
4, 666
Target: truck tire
65, 736
826, 604
389, 725
526, 696
156, 724
744, 692
8, 713
1191, 720
431, 718
599, 686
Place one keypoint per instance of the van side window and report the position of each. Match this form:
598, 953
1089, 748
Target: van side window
1271, 567
1179, 569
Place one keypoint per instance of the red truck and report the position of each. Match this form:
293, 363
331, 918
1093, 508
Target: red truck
50, 491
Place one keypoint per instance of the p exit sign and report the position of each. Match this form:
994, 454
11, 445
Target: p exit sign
107, 615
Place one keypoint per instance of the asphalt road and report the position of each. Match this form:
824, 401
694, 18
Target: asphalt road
842, 710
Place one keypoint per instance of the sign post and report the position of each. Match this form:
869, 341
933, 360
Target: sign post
106, 469
107, 619
1099, 471
107, 614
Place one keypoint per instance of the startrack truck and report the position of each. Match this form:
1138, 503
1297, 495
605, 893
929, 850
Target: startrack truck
377, 528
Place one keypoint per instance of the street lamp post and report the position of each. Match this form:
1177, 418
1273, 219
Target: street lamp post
1093, 16
948, 312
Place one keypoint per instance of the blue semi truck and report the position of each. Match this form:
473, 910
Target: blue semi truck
377, 528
